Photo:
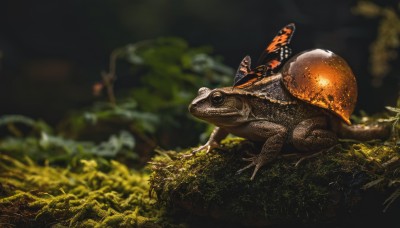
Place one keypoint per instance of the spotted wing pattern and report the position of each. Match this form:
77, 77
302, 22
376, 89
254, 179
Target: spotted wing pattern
272, 57
280, 40
243, 69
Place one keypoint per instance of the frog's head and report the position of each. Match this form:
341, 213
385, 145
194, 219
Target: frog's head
222, 106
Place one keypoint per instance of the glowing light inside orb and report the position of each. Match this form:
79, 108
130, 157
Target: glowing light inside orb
323, 81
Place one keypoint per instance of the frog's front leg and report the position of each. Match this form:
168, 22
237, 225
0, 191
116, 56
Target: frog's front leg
274, 135
213, 142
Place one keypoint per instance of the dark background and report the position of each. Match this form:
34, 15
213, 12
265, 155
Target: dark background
53, 51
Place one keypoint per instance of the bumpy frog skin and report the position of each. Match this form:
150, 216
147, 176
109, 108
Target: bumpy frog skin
268, 113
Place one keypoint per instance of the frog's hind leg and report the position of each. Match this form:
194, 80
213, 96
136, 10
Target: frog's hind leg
313, 135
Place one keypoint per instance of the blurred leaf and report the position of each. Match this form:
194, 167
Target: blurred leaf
56, 149
114, 145
38, 125
71, 147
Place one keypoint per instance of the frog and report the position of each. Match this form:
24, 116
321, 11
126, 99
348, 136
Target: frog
305, 106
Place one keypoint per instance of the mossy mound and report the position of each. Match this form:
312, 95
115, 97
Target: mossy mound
32, 195
347, 182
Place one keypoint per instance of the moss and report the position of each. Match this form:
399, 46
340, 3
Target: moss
38, 196
318, 190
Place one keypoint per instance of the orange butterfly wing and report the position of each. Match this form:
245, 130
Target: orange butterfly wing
281, 39
271, 58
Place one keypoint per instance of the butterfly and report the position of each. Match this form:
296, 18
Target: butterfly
271, 58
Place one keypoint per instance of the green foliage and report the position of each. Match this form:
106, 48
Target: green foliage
125, 113
11, 120
171, 72
110, 148
46, 147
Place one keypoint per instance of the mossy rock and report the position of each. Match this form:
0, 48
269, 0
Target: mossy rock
345, 185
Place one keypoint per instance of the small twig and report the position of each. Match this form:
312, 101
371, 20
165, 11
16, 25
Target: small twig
391, 162
110, 77
108, 80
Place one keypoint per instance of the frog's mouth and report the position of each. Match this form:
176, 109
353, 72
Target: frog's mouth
216, 113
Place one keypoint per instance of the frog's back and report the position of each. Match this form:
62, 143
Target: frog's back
272, 89
273, 102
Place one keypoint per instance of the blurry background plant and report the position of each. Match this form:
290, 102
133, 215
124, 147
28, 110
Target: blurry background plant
37, 140
152, 103
386, 47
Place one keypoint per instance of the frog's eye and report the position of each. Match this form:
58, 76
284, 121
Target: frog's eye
217, 98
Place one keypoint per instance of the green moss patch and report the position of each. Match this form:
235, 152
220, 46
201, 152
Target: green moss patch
321, 189
41, 196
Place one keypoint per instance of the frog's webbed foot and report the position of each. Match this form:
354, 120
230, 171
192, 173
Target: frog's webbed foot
256, 160
275, 135
209, 146
217, 135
